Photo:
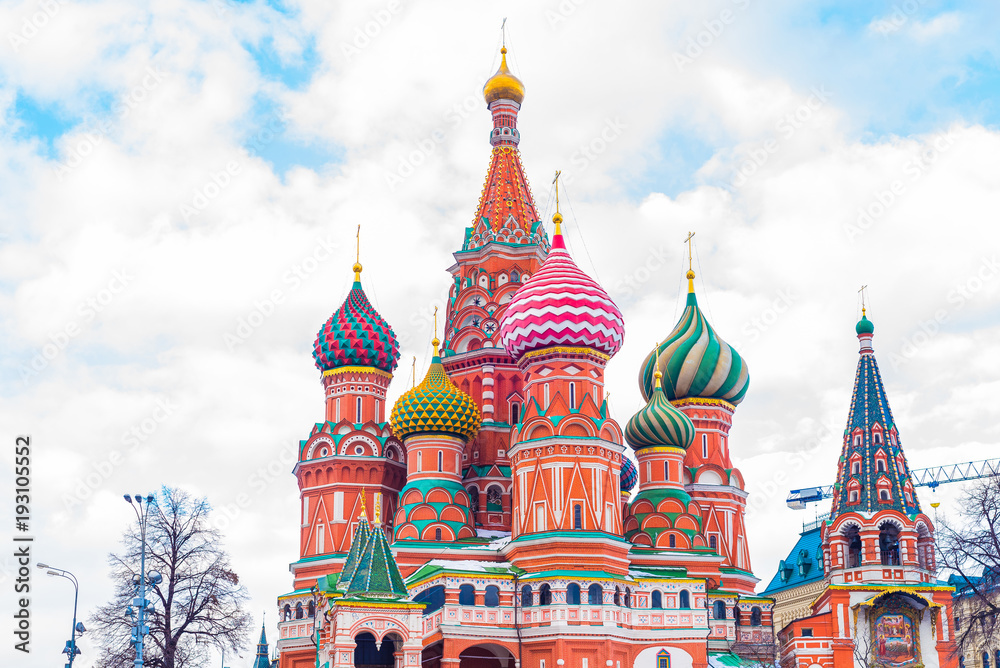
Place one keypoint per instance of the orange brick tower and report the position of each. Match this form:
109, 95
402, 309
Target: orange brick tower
503, 248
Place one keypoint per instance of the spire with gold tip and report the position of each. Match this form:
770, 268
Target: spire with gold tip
436, 406
694, 360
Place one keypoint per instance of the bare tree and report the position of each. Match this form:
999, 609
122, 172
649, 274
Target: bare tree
197, 606
970, 547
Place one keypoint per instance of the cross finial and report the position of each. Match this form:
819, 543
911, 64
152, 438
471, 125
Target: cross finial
435, 342
657, 374
503, 33
357, 261
862, 293
364, 510
690, 272
557, 218
414, 371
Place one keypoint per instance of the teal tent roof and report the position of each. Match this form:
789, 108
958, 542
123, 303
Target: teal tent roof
377, 576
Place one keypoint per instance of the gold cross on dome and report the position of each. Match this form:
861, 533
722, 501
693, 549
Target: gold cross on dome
862, 293
690, 236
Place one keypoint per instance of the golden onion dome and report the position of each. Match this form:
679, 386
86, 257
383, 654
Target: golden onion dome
503, 85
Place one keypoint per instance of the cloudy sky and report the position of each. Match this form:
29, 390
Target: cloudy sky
180, 183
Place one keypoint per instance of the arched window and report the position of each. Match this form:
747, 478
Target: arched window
473, 498
853, 546
577, 516
492, 597
713, 542
986, 660
618, 595
755, 616
883, 495
656, 600
880, 465
359, 409
466, 595
961, 662
288, 612
527, 596
433, 597
298, 611
666, 471
595, 595
628, 597
888, 544
685, 599
494, 499
572, 395
312, 609
663, 659
855, 467
545, 595
440, 461
719, 610
437, 534
573, 594
515, 413
673, 540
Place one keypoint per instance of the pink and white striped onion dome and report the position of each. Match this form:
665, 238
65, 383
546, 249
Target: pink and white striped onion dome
561, 306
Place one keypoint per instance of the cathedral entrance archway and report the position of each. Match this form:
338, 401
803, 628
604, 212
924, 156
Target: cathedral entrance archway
368, 654
486, 655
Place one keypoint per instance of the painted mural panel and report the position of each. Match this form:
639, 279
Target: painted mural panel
896, 639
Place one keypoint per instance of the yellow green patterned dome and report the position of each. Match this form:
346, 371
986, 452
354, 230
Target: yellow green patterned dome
436, 406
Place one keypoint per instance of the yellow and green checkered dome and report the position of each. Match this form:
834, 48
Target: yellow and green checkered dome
659, 424
436, 406
695, 361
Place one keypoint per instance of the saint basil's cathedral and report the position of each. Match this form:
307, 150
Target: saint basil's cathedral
493, 516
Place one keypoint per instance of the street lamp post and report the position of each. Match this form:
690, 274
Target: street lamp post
71, 648
139, 629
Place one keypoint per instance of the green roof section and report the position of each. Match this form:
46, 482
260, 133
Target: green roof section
377, 576
358, 544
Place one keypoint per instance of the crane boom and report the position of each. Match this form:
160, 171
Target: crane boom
929, 477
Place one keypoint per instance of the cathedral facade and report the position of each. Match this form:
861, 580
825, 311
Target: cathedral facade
498, 515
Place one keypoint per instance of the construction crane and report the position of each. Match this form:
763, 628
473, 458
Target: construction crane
930, 477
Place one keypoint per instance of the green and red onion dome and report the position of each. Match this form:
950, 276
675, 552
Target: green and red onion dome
356, 335
659, 424
695, 361
436, 406
629, 475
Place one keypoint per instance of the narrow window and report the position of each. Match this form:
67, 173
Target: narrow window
359, 410
545, 394
666, 471
420, 462
378, 411
880, 465
338, 409
515, 413
572, 395
320, 542
704, 446
685, 599
713, 542
719, 610
437, 535
656, 600
673, 540
577, 517
440, 461
573, 594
